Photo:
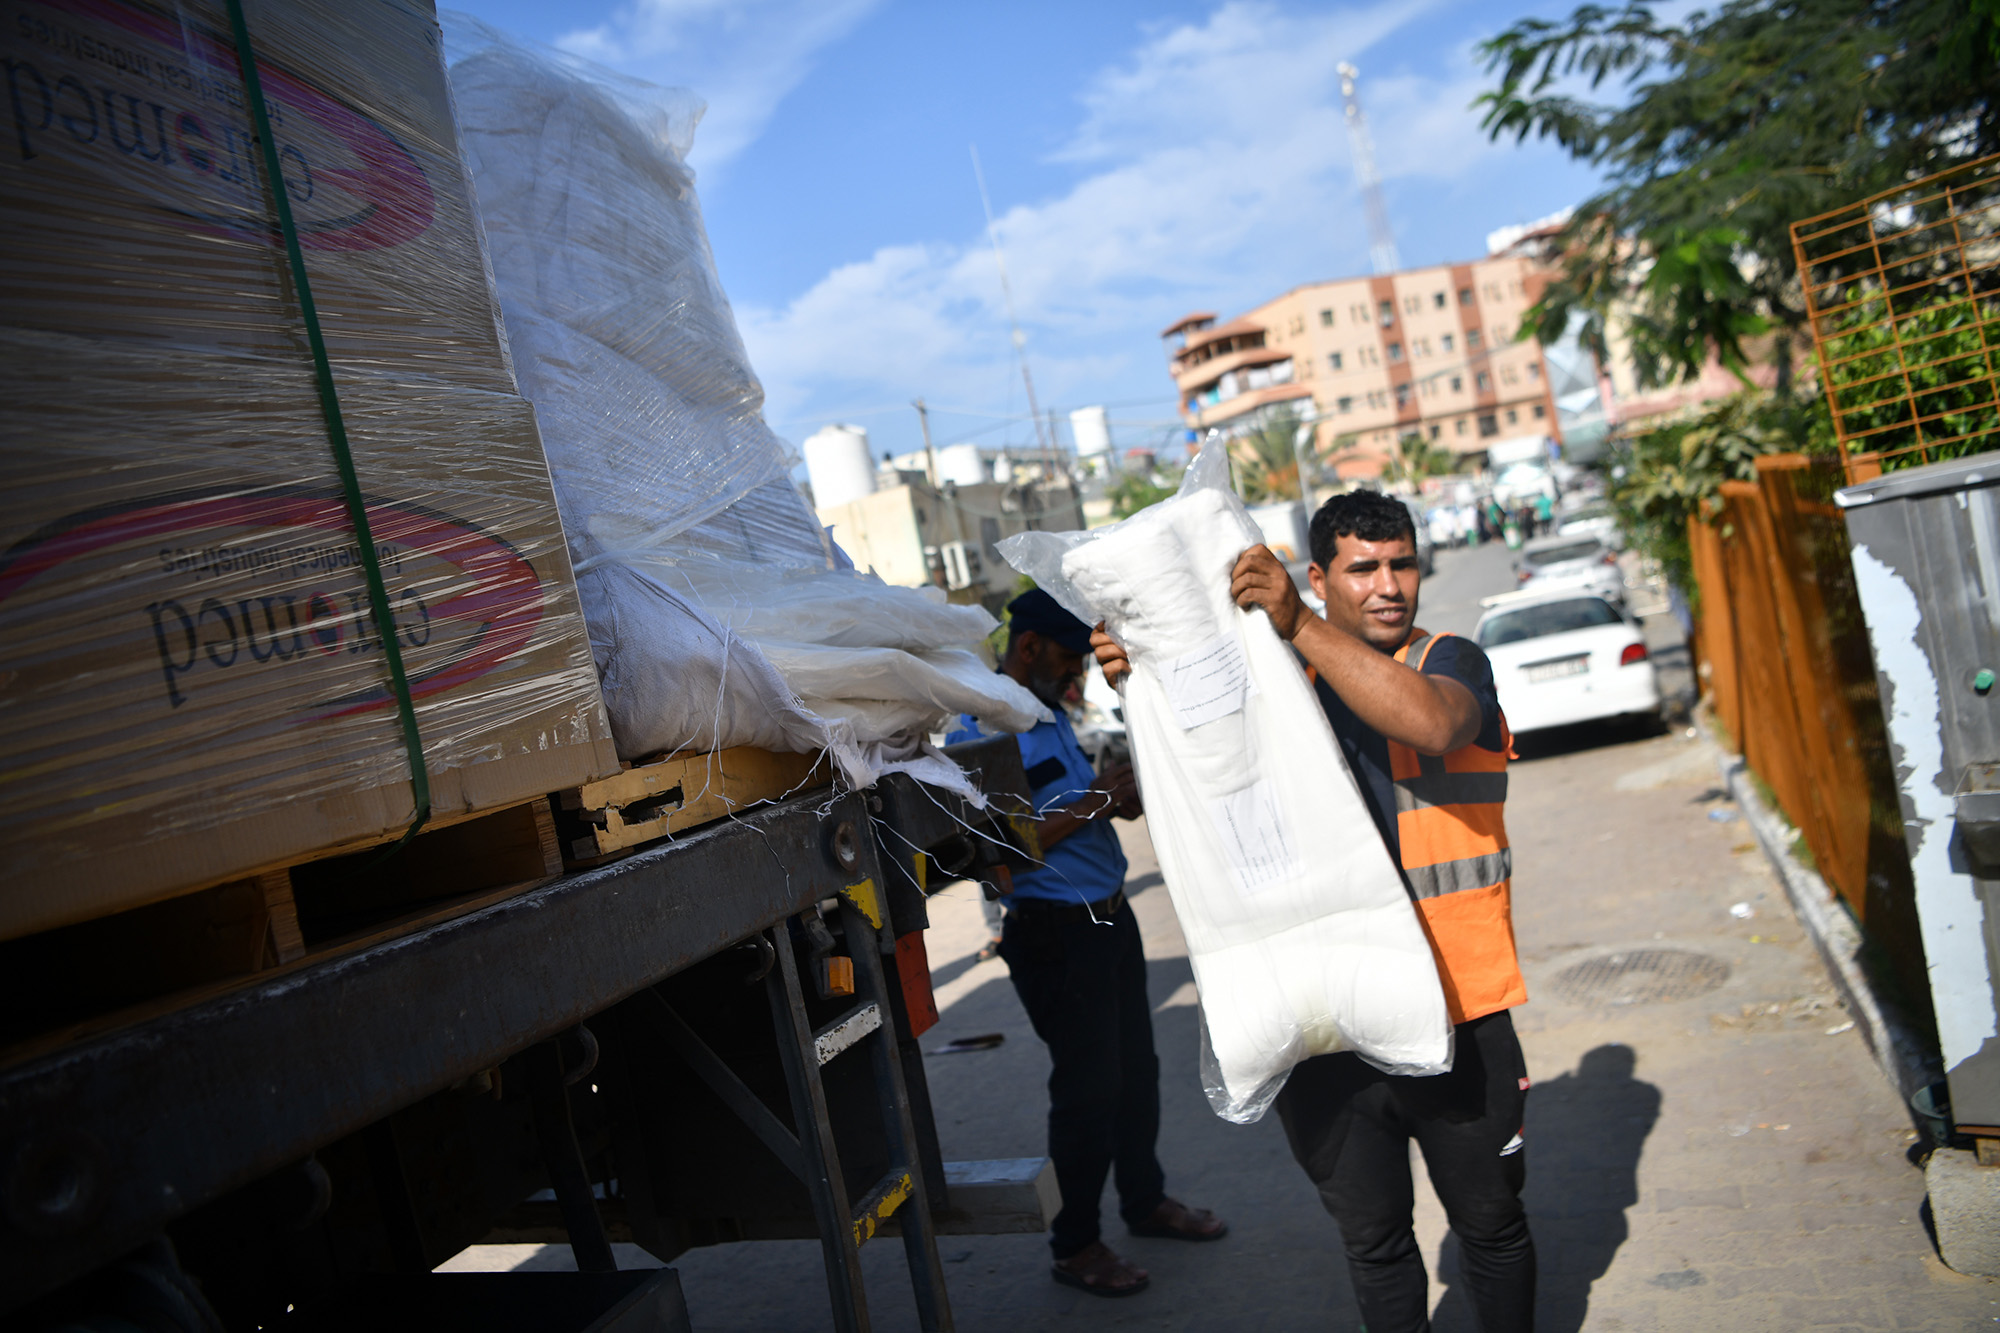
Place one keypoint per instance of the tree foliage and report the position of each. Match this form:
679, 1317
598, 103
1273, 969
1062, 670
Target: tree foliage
1133, 492
1732, 125
1266, 460
1663, 477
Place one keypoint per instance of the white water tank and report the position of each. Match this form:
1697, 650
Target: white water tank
839, 465
961, 465
1087, 425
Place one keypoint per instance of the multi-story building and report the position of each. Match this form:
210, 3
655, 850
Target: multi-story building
1427, 351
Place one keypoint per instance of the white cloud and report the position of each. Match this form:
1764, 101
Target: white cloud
1214, 173
743, 56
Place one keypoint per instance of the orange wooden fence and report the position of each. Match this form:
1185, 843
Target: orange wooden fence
1787, 671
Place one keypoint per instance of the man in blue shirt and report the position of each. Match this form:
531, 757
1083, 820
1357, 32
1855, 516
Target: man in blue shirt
1073, 952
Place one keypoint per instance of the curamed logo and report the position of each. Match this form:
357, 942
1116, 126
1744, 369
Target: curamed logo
122, 87
233, 586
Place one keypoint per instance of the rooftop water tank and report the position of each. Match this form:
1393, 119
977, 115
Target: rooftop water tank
961, 464
1091, 432
839, 465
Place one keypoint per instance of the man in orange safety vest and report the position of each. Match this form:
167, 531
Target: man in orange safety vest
1420, 726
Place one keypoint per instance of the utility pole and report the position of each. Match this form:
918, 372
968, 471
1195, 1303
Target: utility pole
930, 457
1007, 300
1381, 240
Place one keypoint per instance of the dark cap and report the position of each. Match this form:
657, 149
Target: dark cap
1038, 611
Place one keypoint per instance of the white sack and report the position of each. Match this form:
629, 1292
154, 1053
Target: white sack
1302, 937
720, 613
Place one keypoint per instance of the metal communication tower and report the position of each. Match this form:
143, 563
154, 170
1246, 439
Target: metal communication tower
1381, 240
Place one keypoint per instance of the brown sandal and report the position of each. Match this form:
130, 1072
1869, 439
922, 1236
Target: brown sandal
1100, 1272
1174, 1220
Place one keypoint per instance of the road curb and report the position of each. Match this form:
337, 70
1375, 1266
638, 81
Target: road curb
1903, 1058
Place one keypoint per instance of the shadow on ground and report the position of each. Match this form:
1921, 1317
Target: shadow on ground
1594, 1122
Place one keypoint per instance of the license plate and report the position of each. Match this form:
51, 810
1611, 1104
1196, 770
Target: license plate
1568, 666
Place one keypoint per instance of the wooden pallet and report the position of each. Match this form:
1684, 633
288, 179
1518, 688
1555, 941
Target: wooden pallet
656, 800
84, 977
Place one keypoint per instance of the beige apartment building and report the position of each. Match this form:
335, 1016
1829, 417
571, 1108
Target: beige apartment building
1429, 351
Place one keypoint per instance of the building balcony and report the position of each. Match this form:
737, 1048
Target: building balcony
1229, 409
1197, 378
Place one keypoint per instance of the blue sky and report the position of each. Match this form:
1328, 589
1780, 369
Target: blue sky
1144, 160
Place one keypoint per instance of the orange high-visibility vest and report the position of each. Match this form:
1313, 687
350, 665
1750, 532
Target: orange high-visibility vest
1450, 824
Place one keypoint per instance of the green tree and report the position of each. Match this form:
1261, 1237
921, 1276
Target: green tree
1423, 458
1267, 461
1134, 492
1664, 476
1734, 124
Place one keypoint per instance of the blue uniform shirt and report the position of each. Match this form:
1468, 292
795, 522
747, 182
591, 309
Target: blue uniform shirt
1086, 867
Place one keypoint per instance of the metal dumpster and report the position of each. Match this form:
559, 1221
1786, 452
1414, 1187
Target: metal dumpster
1926, 551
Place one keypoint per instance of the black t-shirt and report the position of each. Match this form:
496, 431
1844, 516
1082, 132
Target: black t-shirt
1367, 750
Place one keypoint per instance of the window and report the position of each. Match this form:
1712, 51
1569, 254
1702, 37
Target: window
1458, 384
1434, 431
1395, 353
1509, 376
1298, 323
1437, 300
1445, 342
1489, 424
1512, 416
1534, 370
1333, 359
1540, 411
1402, 395
1484, 382
1472, 340
1465, 296
1387, 310
1411, 304
1374, 357
1344, 404
1420, 346
1358, 313
1459, 426
1326, 318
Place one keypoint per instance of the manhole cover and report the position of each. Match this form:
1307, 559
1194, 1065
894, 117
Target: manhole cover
1641, 976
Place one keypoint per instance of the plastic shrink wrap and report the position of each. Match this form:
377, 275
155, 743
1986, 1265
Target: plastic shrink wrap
1302, 937
190, 685
720, 615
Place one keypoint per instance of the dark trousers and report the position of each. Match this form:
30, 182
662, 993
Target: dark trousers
1084, 987
1350, 1127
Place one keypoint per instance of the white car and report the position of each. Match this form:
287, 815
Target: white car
1595, 519
1570, 564
1561, 658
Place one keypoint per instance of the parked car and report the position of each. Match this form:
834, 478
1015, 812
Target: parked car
1593, 519
1570, 564
1421, 527
1563, 657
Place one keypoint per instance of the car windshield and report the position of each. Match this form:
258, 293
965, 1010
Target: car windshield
1546, 618
1556, 555
1586, 513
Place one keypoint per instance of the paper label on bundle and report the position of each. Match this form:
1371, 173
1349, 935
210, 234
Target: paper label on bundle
1253, 837
1208, 683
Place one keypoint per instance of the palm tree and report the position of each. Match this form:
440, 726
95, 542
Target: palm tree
1267, 463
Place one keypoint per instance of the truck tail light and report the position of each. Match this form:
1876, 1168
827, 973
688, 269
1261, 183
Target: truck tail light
1634, 652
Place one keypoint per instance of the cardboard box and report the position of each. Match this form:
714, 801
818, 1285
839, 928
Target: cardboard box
190, 686
132, 200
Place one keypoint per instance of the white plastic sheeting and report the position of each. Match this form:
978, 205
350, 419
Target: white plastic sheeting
719, 612
1302, 937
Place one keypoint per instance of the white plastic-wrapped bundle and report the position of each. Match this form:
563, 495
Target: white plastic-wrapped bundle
1302, 937
719, 613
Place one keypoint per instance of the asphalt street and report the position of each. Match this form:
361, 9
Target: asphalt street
1710, 1145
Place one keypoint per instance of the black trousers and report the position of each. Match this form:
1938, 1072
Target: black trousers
1350, 1127
1084, 987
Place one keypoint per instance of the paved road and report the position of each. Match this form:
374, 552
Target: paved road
1732, 1161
